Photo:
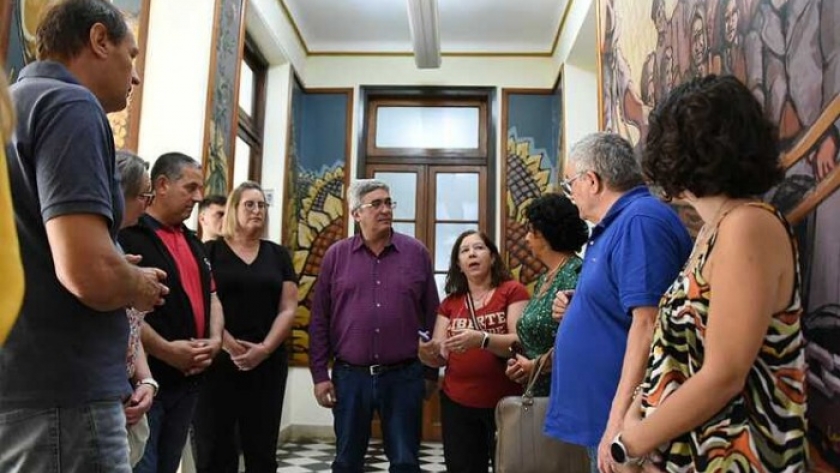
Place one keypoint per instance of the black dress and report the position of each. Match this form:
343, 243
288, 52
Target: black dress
239, 409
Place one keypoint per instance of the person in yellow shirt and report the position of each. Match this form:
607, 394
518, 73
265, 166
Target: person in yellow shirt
11, 291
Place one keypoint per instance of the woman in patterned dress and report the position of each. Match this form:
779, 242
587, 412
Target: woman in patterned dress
725, 383
555, 233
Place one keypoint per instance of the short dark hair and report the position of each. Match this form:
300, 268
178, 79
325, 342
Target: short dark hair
172, 166
456, 281
710, 137
559, 222
65, 29
219, 200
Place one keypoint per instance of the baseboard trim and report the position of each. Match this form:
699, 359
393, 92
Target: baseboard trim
303, 433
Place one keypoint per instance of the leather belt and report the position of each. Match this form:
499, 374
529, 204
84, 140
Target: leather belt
374, 370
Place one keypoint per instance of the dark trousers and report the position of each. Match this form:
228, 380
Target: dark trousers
240, 410
397, 395
169, 424
469, 436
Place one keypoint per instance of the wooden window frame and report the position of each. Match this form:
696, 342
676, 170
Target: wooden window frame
425, 155
251, 128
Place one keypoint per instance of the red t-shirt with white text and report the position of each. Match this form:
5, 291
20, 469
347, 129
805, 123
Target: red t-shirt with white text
476, 378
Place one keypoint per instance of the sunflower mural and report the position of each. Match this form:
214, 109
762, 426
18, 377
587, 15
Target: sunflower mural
313, 198
527, 178
533, 152
320, 223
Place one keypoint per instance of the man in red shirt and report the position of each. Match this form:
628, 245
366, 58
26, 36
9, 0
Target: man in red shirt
184, 335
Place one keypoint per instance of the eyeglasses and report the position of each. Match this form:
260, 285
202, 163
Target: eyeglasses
376, 204
147, 198
566, 184
252, 204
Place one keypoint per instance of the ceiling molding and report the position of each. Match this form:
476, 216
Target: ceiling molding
561, 26
527, 54
294, 26
410, 54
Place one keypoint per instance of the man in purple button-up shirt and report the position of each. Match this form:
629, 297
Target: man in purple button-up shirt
374, 292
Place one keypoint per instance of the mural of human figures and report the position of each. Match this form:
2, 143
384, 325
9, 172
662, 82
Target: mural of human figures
22, 22
533, 163
788, 53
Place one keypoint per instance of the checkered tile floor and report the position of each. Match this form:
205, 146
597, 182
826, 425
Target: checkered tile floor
317, 457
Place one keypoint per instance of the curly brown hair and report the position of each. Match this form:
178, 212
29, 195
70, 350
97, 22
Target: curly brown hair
710, 137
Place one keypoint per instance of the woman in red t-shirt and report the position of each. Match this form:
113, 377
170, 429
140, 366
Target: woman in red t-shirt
474, 348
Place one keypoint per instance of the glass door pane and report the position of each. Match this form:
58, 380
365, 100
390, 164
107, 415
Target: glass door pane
246, 88
445, 236
457, 196
403, 191
427, 127
407, 184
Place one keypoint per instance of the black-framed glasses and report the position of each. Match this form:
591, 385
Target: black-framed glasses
255, 204
378, 203
147, 197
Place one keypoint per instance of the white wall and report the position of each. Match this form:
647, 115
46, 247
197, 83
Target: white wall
175, 78
577, 51
571, 30
581, 104
275, 139
269, 26
321, 71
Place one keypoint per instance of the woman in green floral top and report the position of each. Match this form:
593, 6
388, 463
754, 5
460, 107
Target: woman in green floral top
555, 233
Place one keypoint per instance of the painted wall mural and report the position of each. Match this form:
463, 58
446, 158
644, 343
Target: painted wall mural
21, 18
314, 216
788, 53
222, 103
533, 164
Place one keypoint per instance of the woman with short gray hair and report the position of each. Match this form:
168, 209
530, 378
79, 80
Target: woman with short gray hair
136, 186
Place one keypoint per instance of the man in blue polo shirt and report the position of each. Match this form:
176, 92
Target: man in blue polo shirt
636, 249
62, 370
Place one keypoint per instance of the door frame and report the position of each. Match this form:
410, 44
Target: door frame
436, 95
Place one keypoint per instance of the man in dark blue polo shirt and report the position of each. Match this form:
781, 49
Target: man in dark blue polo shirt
62, 370
374, 292
636, 249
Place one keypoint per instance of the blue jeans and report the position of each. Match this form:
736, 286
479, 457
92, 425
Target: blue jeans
397, 396
169, 424
87, 438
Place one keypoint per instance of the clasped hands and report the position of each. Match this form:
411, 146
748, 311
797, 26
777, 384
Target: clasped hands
244, 354
192, 356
